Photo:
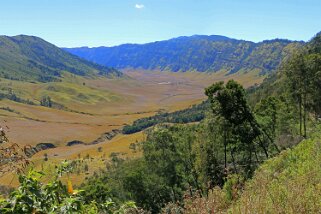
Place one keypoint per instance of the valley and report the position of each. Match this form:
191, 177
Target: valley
160, 107
109, 104
115, 103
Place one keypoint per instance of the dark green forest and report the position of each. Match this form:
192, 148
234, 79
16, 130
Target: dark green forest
195, 113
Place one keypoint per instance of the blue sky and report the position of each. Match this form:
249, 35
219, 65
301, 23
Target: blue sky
71, 23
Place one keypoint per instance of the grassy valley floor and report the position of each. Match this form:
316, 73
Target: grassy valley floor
91, 107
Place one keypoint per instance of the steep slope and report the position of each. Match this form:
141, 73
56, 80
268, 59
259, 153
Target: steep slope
195, 53
30, 58
288, 183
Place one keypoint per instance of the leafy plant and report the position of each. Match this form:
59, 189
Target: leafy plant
32, 196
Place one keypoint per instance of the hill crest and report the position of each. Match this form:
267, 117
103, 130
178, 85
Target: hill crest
30, 58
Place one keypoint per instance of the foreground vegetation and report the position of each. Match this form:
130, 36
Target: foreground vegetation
35, 197
287, 183
54, 197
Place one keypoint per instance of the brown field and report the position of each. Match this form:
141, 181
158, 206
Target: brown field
106, 104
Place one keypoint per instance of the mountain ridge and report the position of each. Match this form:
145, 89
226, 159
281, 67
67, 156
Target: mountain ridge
30, 58
201, 53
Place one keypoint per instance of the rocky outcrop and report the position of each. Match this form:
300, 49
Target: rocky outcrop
105, 136
39, 147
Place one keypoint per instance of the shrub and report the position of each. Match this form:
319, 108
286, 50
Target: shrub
32, 196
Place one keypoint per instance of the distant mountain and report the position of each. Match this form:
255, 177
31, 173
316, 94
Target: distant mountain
30, 58
195, 53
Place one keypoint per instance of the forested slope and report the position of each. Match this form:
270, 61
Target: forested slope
195, 53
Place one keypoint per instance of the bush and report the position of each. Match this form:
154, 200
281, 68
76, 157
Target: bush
32, 196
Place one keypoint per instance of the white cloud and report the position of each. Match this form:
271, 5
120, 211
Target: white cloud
139, 6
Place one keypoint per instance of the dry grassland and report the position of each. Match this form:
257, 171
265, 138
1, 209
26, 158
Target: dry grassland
106, 104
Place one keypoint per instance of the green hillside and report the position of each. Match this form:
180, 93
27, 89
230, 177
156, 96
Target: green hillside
288, 183
195, 53
29, 58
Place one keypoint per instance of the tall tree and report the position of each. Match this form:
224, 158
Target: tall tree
230, 102
313, 67
297, 77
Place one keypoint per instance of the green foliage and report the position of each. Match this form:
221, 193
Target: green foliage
288, 183
232, 186
32, 196
162, 175
275, 116
209, 150
169, 151
313, 67
303, 78
242, 131
296, 85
